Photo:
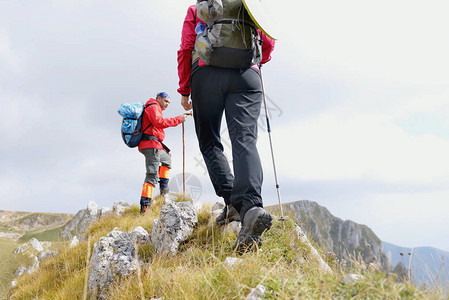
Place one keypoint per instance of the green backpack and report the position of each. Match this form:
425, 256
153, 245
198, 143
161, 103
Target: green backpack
230, 38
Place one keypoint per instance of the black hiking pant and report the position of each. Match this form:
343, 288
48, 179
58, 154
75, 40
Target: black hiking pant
238, 94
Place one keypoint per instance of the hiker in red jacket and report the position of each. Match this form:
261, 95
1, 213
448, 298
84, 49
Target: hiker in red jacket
157, 157
238, 93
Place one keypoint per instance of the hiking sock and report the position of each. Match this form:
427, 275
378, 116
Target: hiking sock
163, 177
147, 194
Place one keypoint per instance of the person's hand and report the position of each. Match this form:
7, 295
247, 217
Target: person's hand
186, 103
183, 117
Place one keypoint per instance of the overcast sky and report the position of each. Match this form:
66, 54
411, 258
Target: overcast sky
358, 92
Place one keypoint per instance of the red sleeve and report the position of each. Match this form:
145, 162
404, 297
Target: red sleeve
157, 119
267, 48
185, 52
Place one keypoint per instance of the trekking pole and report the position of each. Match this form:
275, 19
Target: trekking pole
184, 158
271, 146
183, 163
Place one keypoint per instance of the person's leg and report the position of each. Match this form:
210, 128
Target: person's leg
152, 162
208, 105
164, 170
242, 108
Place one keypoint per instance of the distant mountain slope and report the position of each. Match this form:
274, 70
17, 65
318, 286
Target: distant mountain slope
14, 224
344, 238
427, 264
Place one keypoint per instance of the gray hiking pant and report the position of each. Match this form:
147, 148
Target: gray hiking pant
238, 94
153, 159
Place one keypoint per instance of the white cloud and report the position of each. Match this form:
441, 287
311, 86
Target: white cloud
7, 54
345, 144
409, 219
400, 41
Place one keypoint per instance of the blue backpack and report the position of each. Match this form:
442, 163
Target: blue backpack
132, 123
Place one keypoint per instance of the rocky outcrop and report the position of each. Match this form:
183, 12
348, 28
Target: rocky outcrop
85, 217
33, 246
35, 251
401, 272
175, 224
75, 241
313, 253
114, 256
140, 236
344, 238
82, 220
119, 207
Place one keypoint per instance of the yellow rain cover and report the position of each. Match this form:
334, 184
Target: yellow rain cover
260, 15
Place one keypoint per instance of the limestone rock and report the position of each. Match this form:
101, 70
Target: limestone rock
218, 206
81, 222
256, 293
75, 241
46, 245
35, 250
216, 209
20, 270
175, 224
30, 269
47, 254
351, 278
92, 209
34, 266
20, 249
33, 246
233, 227
119, 207
313, 252
232, 261
104, 211
113, 257
197, 206
36, 244
140, 236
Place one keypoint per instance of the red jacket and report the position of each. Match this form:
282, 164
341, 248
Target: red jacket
188, 44
153, 115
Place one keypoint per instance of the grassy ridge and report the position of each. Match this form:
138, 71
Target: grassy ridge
9, 264
9, 261
50, 235
198, 272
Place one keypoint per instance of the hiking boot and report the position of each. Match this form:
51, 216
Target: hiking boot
229, 214
143, 209
164, 191
255, 222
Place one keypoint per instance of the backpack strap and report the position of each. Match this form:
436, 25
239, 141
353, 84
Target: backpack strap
148, 137
143, 112
231, 21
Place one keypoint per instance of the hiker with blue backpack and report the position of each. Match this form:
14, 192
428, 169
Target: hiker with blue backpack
218, 66
143, 126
